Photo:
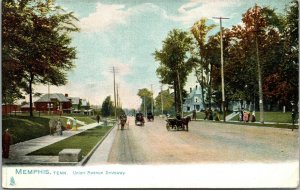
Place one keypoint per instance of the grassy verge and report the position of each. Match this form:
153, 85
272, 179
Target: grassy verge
285, 126
84, 141
277, 117
23, 128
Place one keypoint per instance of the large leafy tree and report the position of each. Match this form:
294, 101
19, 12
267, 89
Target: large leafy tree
174, 63
203, 68
107, 107
41, 51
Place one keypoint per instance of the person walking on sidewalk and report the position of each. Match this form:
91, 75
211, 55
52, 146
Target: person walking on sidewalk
59, 127
98, 118
74, 124
6, 142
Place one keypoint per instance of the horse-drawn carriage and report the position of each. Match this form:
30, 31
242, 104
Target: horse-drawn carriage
178, 123
123, 120
150, 116
139, 119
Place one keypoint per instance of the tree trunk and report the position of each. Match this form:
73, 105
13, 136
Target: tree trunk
30, 94
202, 88
209, 88
175, 95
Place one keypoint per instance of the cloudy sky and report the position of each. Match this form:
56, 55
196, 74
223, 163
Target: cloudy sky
125, 33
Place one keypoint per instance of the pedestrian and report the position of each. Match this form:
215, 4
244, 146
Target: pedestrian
52, 126
206, 114
69, 124
74, 124
6, 142
98, 118
210, 114
194, 114
253, 119
293, 116
241, 115
59, 127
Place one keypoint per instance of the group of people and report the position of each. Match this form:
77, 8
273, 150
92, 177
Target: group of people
56, 126
246, 116
210, 115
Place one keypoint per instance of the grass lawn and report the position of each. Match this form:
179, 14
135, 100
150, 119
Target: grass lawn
85, 118
23, 128
84, 141
277, 117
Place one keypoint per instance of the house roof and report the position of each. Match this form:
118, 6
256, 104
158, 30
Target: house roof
74, 100
195, 91
48, 97
84, 102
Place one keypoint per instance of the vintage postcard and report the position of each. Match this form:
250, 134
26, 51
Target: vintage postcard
150, 94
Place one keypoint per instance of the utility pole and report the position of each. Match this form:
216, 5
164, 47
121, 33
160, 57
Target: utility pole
144, 105
161, 99
152, 99
118, 95
261, 103
115, 99
222, 67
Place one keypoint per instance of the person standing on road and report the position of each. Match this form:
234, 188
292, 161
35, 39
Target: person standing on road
6, 142
98, 118
293, 116
194, 114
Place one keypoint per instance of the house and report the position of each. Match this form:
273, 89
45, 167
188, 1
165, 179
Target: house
26, 108
53, 102
76, 103
194, 100
9, 108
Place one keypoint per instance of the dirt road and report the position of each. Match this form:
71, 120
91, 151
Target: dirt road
204, 142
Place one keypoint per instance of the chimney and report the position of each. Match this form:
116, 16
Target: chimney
190, 90
66, 95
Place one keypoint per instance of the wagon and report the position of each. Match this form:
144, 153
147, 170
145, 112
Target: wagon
178, 124
139, 119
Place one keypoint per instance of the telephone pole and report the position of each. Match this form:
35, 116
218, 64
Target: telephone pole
161, 99
222, 67
114, 71
152, 98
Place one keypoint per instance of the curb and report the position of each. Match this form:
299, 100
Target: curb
88, 156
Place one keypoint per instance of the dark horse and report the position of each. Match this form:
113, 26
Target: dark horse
123, 120
179, 123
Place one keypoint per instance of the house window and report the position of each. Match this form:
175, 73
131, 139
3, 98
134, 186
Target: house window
188, 108
198, 107
196, 99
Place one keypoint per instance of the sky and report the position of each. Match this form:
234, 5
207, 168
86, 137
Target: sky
125, 33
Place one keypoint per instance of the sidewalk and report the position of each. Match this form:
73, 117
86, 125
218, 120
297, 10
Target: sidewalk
18, 152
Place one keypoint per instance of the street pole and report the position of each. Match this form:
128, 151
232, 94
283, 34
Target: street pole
152, 99
161, 98
222, 67
115, 94
261, 103
144, 106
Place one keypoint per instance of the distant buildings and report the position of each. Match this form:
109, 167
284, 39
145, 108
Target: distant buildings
63, 104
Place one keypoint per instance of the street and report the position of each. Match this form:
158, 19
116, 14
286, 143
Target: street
204, 142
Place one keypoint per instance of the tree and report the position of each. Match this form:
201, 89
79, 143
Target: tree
164, 100
174, 63
42, 51
146, 96
107, 107
203, 67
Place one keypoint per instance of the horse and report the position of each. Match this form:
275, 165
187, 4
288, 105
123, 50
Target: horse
185, 122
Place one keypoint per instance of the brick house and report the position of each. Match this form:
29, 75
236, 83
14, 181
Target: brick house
53, 102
